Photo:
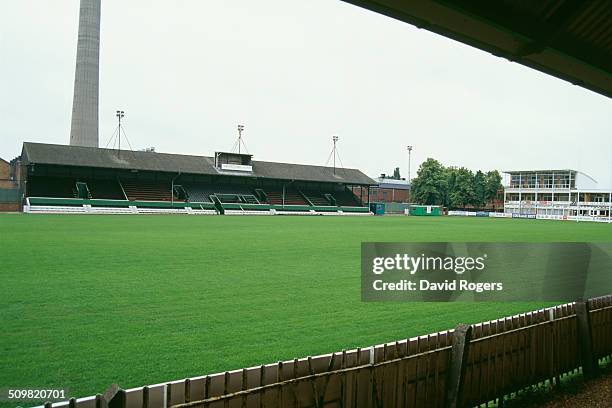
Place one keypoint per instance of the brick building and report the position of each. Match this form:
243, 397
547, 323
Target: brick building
388, 190
10, 192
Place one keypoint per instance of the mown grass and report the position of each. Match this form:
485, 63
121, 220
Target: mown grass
91, 300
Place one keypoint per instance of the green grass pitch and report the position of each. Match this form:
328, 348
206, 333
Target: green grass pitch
91, 300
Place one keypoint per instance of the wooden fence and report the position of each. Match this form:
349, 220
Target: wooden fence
467, 366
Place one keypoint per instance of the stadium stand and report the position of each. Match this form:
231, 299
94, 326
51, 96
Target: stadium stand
60, 187
249, 199
197, 193
316, 198
274, 197
72, 179
346, 199
82, 191
180, 193
229, 198
105, 189
261, 195
225, 193
138, 190
292, 197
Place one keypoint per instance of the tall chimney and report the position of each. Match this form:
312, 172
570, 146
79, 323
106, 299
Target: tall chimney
84, 126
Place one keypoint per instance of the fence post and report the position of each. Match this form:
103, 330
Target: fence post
585, 342
119, 400
110, 392
456, 373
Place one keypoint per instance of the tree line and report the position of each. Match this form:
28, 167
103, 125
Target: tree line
454, 187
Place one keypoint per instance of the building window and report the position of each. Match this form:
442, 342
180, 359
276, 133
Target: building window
563, 181
531, 181
515, 180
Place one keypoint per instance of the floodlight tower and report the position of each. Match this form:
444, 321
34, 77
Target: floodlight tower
84, 123
334, 153
409, 148
240, 129
335, 139
120, 114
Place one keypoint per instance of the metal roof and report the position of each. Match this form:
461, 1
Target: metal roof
539, 171
401, 184
569, 39
550, 171
62, 155
394, 186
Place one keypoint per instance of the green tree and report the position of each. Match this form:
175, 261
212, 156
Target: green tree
480, 187
454, 187
429, 186
396, 173
492, 182
451, 179
461, 192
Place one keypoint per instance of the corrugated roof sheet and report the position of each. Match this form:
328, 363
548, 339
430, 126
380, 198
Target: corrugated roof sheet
63, 155
569, 39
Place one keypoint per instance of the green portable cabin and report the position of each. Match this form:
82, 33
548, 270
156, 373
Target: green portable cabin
427, 210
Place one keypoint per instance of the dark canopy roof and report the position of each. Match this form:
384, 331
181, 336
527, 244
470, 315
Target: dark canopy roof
62, 155
569, 39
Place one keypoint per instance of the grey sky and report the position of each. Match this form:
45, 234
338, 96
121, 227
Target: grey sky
294, 72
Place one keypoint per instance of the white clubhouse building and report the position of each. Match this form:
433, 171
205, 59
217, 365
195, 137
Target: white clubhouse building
555, 194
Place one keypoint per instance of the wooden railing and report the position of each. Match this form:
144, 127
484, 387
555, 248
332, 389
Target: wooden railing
465, 366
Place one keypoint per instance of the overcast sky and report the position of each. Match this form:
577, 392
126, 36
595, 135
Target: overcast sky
294, 72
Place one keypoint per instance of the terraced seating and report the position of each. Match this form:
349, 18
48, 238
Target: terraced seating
225, 193
316, 198
228, 198
180, 193
261, 195
82, 190
292, 197
105, 189
239, 199
275, 197
198, 193
250, 199
60, 187
231, 189
146, 190
236, 198
346, 199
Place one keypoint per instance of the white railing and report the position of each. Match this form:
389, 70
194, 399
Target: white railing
598, 204
88, 209
532, 216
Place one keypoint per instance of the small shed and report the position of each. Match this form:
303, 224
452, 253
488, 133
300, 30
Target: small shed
377, 208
